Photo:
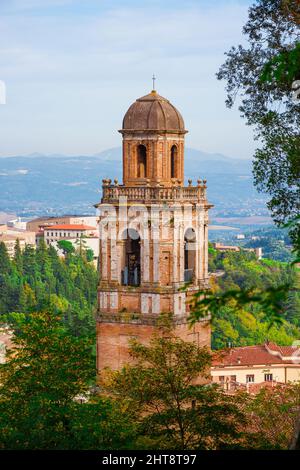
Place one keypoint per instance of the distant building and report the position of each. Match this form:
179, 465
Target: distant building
240, 236
56, 232
252, 367
9, 237
220, 247
38, 225
17, 223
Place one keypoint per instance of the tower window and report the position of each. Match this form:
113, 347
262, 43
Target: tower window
142, 161
132, 259
189, 254
174, 162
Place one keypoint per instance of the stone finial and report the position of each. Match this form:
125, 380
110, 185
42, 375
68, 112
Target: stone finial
190, 182
116, 181
109, 181
199, 182
204, 181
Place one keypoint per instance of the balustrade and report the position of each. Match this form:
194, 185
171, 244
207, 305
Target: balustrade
112, 193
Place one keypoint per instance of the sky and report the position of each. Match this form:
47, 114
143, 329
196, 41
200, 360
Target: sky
72, 68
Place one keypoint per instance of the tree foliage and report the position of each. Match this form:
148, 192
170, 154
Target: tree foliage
274, 415
47, 373
38, 278
262, 73
254, 300
173, 409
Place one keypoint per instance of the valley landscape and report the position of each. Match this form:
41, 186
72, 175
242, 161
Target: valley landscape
36, 184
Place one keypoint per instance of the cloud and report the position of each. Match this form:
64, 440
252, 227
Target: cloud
23, 5
81, 70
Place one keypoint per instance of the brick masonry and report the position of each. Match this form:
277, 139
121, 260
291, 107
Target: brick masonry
141, 279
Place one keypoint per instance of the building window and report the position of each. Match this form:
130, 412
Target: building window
131, 269
249, 378
141, 161
221, 378
174, 162
233, 378
268, 377
189, 254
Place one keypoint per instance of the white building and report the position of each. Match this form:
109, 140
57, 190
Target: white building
54, 233
39, 224
252, 366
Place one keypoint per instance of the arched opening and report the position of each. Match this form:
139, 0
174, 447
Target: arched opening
174, 152
131, 272
141, 161
189, 254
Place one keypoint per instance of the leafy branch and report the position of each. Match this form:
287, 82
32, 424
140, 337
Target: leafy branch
207, 304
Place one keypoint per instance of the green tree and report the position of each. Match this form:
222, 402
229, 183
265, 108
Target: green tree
262, 73
274, 416
45, 370
66, 246
173, 410
5, 273
42, 384
89, 255
18, 259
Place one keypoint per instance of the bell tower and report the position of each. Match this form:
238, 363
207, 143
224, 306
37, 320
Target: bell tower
153, 143
153, 235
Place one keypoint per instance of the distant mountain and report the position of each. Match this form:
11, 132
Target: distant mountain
195, 161
54, 184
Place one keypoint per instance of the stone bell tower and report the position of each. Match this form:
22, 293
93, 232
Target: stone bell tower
153, 235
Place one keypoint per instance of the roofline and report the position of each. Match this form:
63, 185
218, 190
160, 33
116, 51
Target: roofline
58, 227
253, 366
156, 131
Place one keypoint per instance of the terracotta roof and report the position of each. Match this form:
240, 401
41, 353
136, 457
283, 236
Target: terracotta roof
153, 112
75, 227
266, 354
256, 388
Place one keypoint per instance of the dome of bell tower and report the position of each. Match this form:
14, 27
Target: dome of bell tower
153, 143
153, 113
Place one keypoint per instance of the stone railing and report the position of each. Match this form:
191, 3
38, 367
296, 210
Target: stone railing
138, 318
145, 194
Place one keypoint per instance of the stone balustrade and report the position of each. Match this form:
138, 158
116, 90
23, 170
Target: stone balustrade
144, 319
137, 318
147, 194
